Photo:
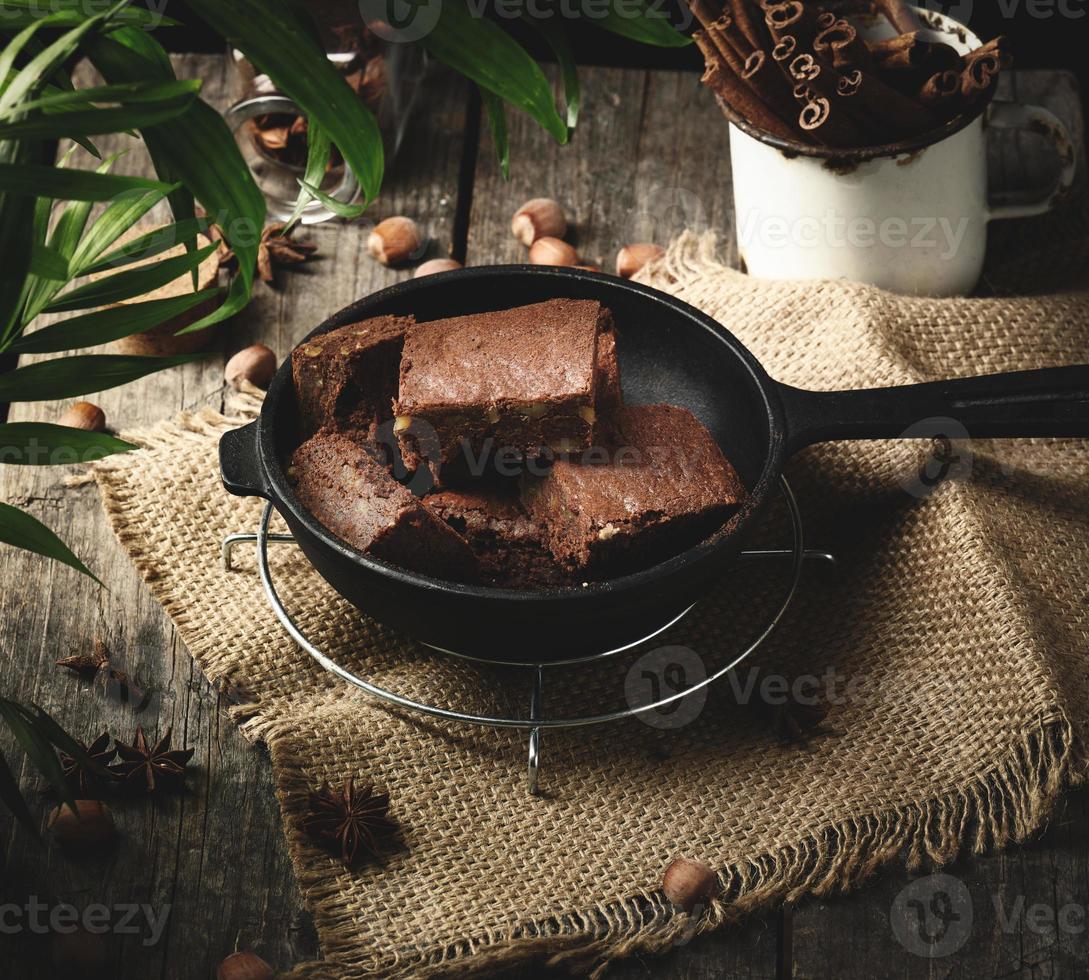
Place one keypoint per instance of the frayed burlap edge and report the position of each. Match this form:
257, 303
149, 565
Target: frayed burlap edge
1003, 805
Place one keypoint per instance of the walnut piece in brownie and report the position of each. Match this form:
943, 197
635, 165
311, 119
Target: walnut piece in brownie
513, 380
507, 542
661, 486
344, 483
347, 378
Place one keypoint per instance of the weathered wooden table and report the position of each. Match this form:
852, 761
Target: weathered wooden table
650, 158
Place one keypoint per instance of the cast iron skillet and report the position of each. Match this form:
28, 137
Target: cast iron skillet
669, 352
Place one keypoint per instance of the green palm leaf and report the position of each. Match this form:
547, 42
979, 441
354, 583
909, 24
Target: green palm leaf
635, 20
24, 13
155, 242
484, 53
67, 377
303, 72
497, 122
133, 282
112, 323
35, 180
119, 217
37, 748
39, 443
19, 529
198, 149
13, 799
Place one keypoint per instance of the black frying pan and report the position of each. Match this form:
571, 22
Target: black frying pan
669, 352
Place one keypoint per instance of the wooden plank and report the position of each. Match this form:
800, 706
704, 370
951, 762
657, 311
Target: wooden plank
636, 170
650, 157
216, 854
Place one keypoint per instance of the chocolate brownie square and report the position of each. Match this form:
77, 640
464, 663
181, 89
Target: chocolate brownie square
660, 486
344, 483
514, 380
347, 378
507, 542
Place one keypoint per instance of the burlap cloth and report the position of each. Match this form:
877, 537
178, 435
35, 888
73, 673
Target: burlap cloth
955, 623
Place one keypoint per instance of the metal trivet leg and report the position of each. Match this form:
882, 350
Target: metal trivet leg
231, 540
534, 768
536, 720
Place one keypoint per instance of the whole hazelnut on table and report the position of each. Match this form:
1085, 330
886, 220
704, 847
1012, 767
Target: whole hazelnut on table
244, 966
91, 826
255, 364
80, 954
688, 884
395, 240
542, 217
431, 266
84, 415
631, 258
552, 251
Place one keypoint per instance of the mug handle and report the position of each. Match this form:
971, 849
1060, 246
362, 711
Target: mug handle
1028, 203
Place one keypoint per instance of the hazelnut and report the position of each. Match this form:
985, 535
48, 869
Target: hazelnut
80, 954
688, 884
244, 966
84, 415
432, 266
395, 240
631, 258
552, 251
90, 827
255, 364
538, 218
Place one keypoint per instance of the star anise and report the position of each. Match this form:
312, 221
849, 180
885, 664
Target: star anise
794, 722
87, 665
275, 248
83, 782
96, 666
151, 767
794, 719
350, 823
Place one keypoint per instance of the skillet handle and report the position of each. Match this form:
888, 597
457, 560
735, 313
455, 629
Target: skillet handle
240, 463
1045, 402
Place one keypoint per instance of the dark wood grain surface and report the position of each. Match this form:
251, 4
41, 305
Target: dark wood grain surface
650, 158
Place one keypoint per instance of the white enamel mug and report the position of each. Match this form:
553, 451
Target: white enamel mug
910, 218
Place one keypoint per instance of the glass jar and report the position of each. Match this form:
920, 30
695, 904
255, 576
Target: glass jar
270, 128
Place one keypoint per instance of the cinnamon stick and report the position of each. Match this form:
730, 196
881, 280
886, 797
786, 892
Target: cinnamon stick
770, 85
941, 92
906, 51
840, 44
982, 68
881, 112
792, 18
824, 125
750, 22
735, 92
900, 15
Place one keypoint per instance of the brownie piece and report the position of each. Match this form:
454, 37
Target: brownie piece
507, 542
660, 487
512, 380
344, 483
348, 376
609, 397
